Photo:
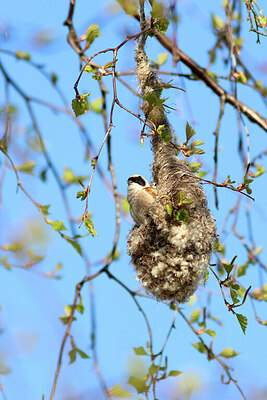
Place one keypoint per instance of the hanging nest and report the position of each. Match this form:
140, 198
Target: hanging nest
170, 254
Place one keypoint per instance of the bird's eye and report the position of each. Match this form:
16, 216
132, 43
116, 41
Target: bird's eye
141, 181
137, 179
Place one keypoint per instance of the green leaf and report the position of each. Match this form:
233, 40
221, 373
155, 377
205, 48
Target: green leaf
90, 70
201, 174
81, 195
195, 315
89, 225
97, 77
68, 309
260, 171
212, 75
58, 267
200, 347
34, 258
198, 151
188, 201
5, 263
240, 77
234, 296
153, 369
162, 58
20, 55
174, 373
119, 392
182, 216
115, 256
79, 307
43, 174
92, 33
69, 177
27, 167
169, 208
76, 246
157, 10
195, 166
14, 247
241, 292
228, 353
219, 247
45, 209
153, 99
81, 105
82, 354
217, 22
96, 105
125, 205
243, 321
140, 351
138, 384
232, 285
210, 332
189, 132
162, 25
57, 225
196, 143
65, 319
228, 267
258, 251
72, 355
109, 64
4, 370
54, 78
207, 274
242, 269
166, 136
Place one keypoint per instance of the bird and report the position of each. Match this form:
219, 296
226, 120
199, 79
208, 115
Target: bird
141, 197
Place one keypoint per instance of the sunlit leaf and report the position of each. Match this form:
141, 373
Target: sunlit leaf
195, 315
138, 384
27, 167
243, 322
169, 208
189, 132
89, 225
200, 347
73, 355
119, 392
92, 33
182, 216
140, 351
81, 105
96, 105
45, 209
162, 58
82, 354
228, 353
57, 226
20, 55
174, 373
76, 246
210, 332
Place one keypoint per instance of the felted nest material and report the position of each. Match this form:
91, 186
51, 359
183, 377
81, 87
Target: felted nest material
169, 256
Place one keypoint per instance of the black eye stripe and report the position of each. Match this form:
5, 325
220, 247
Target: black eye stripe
137, 179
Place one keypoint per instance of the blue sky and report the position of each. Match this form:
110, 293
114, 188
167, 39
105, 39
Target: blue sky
31, 304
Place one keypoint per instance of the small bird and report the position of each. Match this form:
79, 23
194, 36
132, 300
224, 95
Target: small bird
140, 197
